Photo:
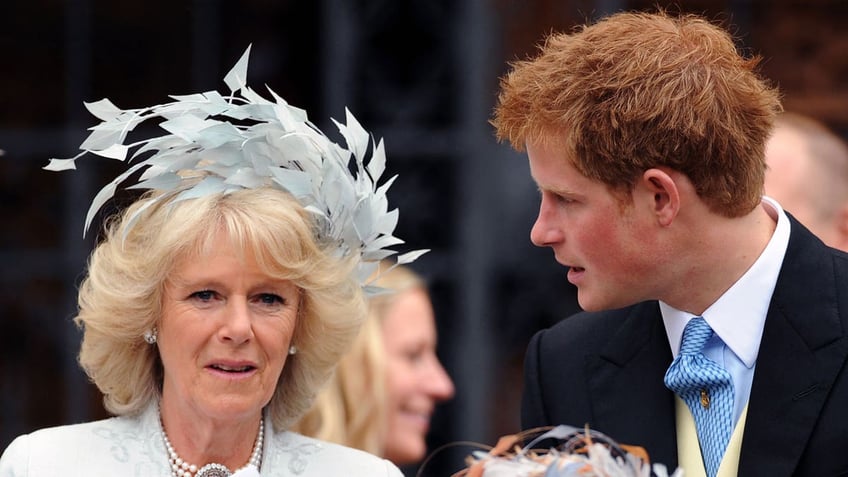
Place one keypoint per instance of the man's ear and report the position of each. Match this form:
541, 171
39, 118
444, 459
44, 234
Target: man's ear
665, 196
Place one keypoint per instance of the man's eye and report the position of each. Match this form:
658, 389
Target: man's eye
556, 198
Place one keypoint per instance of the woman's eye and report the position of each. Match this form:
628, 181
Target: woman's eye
415, 356
203, 295
271, 299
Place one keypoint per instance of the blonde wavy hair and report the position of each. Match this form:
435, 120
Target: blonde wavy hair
121, 296
640, 90
351, 409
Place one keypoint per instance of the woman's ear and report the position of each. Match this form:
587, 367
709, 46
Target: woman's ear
664, 194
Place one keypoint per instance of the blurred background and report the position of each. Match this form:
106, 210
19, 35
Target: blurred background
422, 74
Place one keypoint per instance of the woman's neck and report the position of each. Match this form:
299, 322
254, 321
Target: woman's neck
201, 440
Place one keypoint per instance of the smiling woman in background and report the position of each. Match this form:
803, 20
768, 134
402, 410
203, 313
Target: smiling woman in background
384, 391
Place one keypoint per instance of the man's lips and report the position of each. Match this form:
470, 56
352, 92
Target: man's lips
574, 274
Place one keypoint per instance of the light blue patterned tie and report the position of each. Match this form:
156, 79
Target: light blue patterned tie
708, 391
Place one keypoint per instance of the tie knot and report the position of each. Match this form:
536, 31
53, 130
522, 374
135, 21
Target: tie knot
695, 335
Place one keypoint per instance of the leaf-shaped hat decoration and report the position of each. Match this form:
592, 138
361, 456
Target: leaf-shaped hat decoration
270, 143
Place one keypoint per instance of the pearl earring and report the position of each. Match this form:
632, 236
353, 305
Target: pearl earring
151, 335
292, 349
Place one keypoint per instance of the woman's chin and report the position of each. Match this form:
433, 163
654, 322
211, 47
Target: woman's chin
229, 407
406, 453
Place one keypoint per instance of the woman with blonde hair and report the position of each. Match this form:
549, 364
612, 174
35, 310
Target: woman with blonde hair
217, 304
385, 389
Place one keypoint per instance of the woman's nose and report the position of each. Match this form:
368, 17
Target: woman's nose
440, 384
237, 327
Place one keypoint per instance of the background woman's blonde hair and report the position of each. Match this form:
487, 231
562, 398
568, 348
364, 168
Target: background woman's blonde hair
121, 296
351, 409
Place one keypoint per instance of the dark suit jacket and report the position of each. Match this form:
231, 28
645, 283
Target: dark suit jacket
606, 370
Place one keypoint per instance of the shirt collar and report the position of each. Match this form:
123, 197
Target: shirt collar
739, 315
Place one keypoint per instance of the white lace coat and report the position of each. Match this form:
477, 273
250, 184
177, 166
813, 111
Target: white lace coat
133, 446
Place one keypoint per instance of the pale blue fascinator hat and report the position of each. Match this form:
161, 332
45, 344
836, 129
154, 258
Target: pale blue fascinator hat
219, 144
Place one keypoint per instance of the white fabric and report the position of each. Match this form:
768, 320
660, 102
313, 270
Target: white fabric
133, 446
247, 471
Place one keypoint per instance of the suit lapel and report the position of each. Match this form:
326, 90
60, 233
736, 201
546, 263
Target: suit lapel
630, 403
801, 353
802, 350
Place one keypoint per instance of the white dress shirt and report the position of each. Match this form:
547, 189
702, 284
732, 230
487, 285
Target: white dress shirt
739, 315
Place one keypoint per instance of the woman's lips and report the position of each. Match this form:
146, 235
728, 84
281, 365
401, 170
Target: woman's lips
232, 370
420, 420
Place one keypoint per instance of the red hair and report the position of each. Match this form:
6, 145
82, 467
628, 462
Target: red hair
641, 90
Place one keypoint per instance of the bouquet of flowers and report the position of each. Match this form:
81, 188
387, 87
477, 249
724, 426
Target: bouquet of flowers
581, 453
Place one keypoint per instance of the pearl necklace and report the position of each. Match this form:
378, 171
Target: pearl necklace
181, 468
